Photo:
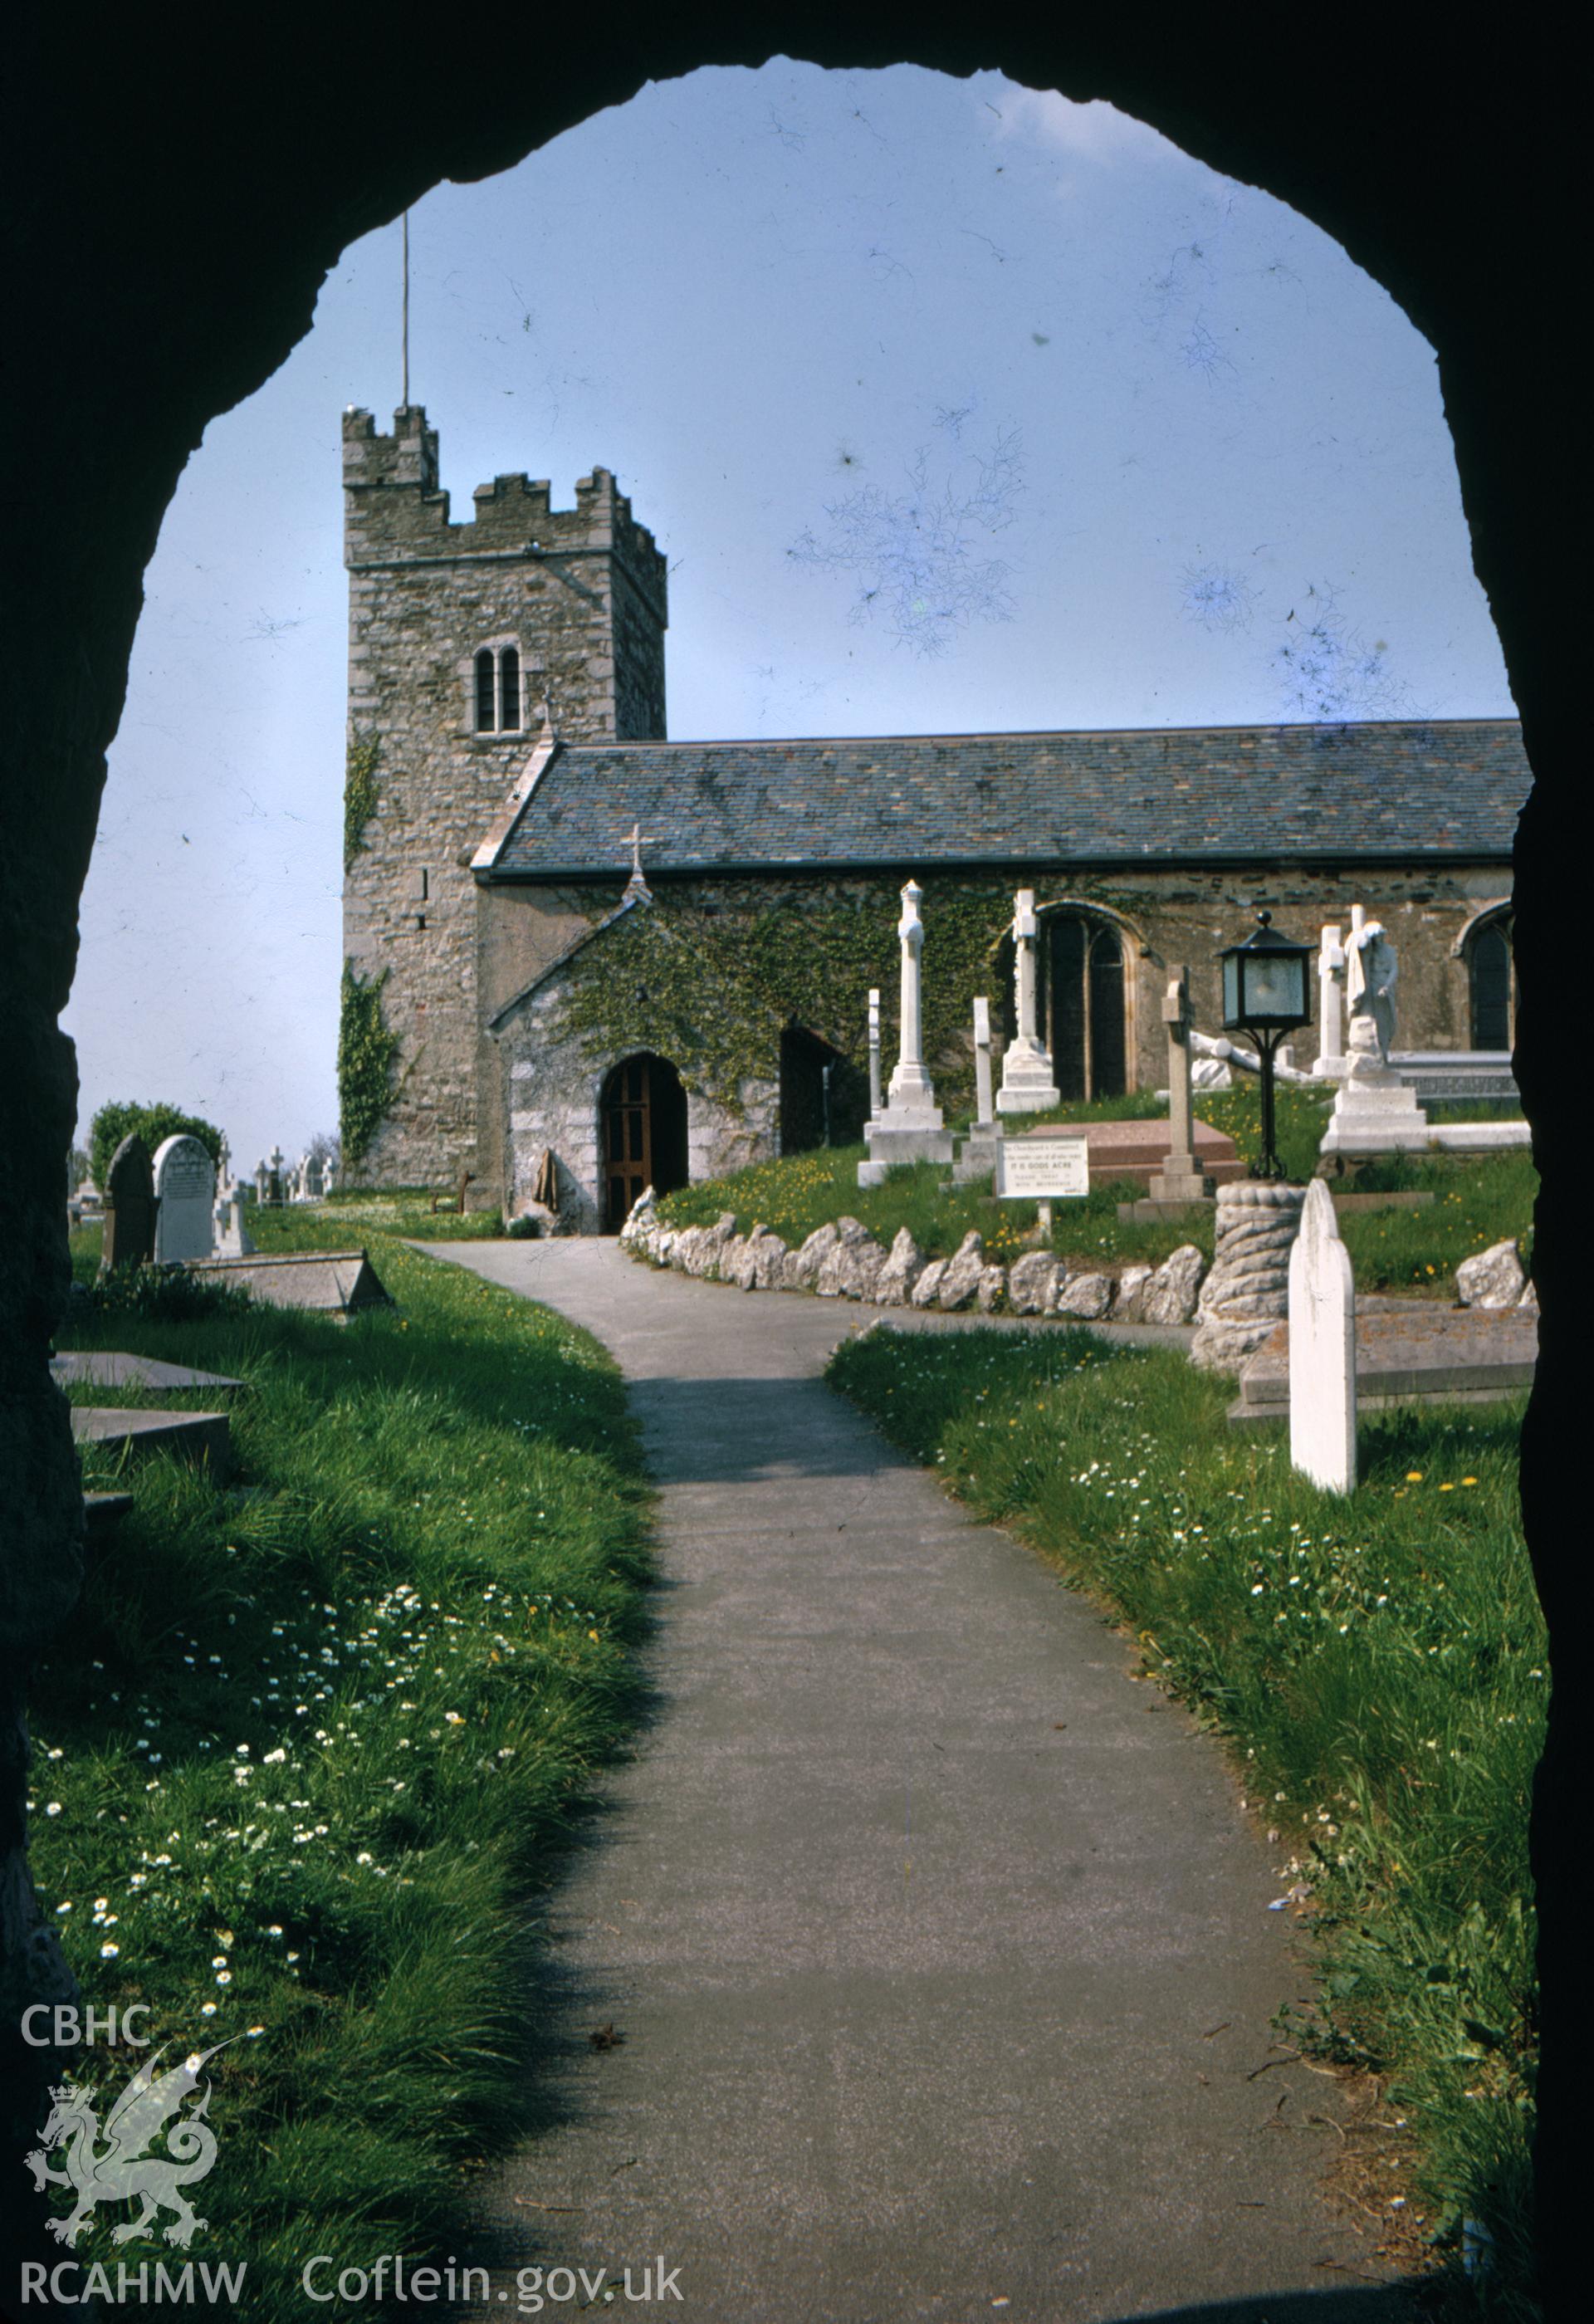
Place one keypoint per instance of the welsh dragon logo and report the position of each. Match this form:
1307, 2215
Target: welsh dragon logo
118, 2167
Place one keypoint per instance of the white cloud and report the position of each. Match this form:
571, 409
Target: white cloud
1090, 131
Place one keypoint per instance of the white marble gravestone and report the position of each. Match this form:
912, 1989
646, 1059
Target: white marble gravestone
1028, 1085
1323, 1349
875, 1100
911, 1128
185, 1194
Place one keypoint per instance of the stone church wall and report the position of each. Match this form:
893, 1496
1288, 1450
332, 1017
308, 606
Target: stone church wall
541, 1083
580, 593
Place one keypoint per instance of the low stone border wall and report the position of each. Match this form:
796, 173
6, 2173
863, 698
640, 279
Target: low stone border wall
843, 1260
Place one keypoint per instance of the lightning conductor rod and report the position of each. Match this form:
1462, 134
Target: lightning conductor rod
405, 399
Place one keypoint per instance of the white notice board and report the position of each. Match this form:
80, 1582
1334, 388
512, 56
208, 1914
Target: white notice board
1042, 1168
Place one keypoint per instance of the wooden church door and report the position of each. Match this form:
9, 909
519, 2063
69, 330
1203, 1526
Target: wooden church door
643, 1130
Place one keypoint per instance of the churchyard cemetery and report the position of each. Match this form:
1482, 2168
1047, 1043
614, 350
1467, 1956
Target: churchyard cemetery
310, 1755
1448, 1207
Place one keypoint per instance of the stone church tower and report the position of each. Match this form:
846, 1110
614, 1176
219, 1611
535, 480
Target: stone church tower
463, 639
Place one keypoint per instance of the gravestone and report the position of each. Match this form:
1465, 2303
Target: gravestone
276, 1192
979, 1151
1181, 1179
233, 1238
129, 1207
910, 1128
1323, 1349
1028, 1085
262, 1182
185, 1189
315, 1179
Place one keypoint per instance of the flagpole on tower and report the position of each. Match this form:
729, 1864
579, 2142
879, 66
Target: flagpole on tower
405, 329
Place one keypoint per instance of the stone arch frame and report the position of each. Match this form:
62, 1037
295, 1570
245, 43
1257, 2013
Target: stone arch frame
1134, 948
233, 224
465, 667
1501, 914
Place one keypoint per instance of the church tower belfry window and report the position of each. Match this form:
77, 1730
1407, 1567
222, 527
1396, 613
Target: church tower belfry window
498, 690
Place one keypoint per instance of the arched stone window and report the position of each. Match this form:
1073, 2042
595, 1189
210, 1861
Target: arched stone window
1087, 997
642, 1134
496, 680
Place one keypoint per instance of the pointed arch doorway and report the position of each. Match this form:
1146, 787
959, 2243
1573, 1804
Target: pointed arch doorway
642, 1134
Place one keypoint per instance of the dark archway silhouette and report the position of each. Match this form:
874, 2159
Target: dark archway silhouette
641, 1134
1491, 982
182, 183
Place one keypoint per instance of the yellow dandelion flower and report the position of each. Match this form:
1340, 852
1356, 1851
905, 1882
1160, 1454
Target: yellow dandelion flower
1414, 1476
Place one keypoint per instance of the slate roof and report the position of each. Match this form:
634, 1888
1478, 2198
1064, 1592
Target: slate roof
1395, 790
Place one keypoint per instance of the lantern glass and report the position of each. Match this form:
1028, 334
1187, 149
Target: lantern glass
1232, 1012
1275, 988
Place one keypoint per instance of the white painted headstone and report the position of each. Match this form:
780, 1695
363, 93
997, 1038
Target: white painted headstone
1323, 1349
1028, 1086
234, 1240
185, 1191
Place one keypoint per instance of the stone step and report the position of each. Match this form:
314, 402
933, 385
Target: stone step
205, 1438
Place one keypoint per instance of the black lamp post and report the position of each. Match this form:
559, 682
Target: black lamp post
1264, 994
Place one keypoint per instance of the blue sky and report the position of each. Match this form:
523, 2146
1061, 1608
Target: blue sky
955, 406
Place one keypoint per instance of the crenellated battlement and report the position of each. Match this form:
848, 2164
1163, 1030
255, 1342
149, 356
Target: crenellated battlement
395, 509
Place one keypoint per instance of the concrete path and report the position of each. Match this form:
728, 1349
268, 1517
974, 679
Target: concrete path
941, 1951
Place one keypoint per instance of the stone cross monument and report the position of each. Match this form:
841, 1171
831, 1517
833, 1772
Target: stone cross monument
911, 1128
1331, 992
1181, 1179
1028, 1086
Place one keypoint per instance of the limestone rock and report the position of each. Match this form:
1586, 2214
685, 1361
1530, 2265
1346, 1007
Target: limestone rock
769, 1254
1086, 1296
643, 1220
927, 1291
961, 1282
851, 1268
905, 1263
1529, 1301
801, 1271
1171, 1296
992, 1288
734, 1262
1494, 1278
1032, 1283
1127, 1298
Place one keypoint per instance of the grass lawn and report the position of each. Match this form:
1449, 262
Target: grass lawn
1478, 1199
312, 1746
1376, 1663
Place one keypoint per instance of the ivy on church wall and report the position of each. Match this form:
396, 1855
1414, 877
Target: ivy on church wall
359, 793
710, 978
365, 1052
